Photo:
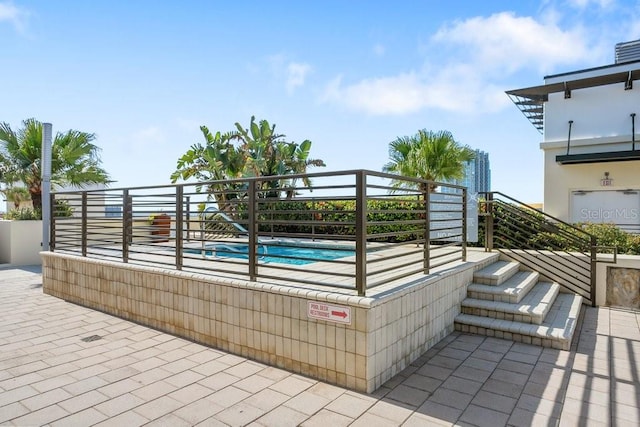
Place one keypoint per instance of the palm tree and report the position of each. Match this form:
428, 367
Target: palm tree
16, 195
269, 154
74, 159
255, 152
217, 160
428, 155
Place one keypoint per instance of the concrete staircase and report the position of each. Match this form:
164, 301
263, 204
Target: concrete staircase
505, 301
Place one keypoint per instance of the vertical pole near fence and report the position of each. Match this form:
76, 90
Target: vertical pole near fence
52, 226
45, 170
187, 215
179, 225
127, 213
361, 232
427, 230
83, 225
488, 238
253, 229
464, 224
594, 263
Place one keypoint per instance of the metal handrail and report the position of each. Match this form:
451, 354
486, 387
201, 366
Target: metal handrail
574, 270
346, 209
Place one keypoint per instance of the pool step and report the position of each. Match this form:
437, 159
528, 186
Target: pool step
532, 309
496, 273
511, 290
506, 302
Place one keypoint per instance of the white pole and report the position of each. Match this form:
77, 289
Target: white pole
45, 168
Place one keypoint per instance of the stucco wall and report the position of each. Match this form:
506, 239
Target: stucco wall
561, 180
20, 242
592, 117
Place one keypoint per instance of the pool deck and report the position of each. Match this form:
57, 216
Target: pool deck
135, 375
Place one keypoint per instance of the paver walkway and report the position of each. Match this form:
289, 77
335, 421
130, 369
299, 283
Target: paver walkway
65, 365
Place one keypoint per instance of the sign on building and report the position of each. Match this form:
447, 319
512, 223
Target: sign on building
446, 216
621, 207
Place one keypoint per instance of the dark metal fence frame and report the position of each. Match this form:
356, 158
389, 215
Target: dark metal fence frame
90, 233
578, 274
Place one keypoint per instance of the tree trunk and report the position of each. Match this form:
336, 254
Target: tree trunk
36, 201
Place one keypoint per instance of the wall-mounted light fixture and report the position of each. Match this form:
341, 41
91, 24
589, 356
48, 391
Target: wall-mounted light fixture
606, 181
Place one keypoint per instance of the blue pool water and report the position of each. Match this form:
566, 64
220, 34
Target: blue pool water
277, 253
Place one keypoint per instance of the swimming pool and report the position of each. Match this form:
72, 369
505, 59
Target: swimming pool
278, 252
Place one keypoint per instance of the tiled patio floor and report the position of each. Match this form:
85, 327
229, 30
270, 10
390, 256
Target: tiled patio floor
134, 375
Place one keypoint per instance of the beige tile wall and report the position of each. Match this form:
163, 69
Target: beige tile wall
269, 323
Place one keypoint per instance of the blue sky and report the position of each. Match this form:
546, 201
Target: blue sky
351, 76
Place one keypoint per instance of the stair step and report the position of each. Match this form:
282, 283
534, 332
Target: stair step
556, 331
496, 273
532, 309
512, 290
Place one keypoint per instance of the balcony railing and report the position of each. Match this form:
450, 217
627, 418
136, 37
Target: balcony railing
352, 229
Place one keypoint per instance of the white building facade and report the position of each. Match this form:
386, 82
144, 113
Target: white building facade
590, 120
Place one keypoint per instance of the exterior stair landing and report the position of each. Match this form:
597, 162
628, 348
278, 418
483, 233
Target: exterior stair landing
506, 302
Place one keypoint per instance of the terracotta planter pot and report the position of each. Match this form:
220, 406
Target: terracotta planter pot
161, 228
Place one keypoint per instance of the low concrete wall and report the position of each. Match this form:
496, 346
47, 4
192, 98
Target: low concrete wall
20, 242
606, 281
271, 323
555, 262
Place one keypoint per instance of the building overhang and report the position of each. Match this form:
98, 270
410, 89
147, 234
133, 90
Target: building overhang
612, 156
531, 100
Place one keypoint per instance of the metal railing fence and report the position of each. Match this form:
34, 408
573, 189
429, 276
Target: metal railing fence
355, 229
557, 250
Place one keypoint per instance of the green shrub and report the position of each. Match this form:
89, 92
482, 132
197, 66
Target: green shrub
24, 214
611, 235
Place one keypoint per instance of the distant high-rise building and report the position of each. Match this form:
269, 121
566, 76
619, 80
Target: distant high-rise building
482, 172
477, 174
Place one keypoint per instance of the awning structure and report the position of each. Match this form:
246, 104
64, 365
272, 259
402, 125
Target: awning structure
531, 100
612, 156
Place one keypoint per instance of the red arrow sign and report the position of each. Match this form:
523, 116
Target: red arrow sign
329, 312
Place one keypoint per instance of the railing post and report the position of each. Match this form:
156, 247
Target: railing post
464, 224
361, 232
594, 265
488, 237
127, 213
83, 227
188, 216
179, 226
52, 223
253, 239
426, 258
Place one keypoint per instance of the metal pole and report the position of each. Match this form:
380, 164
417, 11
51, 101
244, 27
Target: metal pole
83, 227
179, 226
464, 224
633, 131
52, 235
127, 213
594, 263
253, 230
361, 232
488, 238
45, 169
426, 263
569, 137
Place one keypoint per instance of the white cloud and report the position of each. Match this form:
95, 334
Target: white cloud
293, 74
480, 53
379, 49
410, 92
14, 15
583, 4
296, 74
505, 40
